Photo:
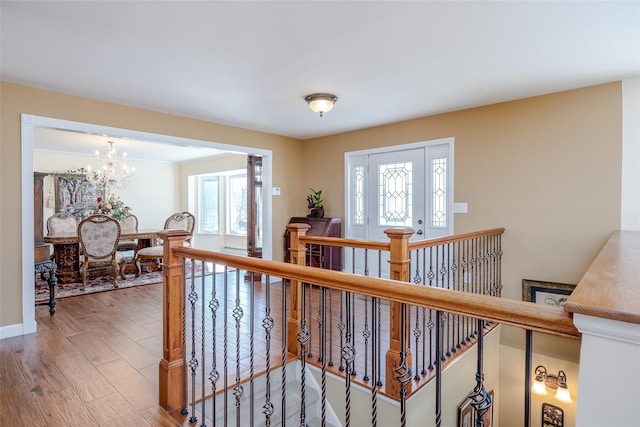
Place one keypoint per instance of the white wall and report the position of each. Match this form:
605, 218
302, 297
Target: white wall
631, 154
153, 195
215, 164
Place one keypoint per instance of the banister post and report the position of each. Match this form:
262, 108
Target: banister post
398, 270
297, 255
171, 381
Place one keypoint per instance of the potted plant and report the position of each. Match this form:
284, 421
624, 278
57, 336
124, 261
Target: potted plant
315, 204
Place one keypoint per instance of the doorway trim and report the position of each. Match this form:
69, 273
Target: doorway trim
28, 125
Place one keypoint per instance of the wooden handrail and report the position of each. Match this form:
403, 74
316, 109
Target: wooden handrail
420, 244
537, 317
345, 243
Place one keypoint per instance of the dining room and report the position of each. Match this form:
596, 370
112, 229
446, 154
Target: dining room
159, 185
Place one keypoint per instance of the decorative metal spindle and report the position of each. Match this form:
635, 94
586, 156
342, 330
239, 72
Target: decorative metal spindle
267, 324
193, 362
352, 320
252, 301
185, 381
310, 350
424, 342
416, 334
214, 376
303, 340
283, 353
202, 337
460, 287
225, 342
323, 353
238, 389
447, 335
379, 381
348, 355
330, 327
431, 325
341, 327
374, 360
403, 371
416, 331
480, 399
527, 378
366, 333
320, 321
438, 369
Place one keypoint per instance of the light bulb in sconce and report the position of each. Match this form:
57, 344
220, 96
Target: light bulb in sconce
562, 393
538, 384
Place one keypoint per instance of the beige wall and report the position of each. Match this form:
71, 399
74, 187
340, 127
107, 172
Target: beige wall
16, 99
545, 168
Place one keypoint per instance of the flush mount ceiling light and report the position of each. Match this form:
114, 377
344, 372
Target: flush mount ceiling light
321, 102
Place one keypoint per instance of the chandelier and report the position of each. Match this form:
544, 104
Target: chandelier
110, 171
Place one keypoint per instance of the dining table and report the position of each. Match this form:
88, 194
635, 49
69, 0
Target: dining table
66, 251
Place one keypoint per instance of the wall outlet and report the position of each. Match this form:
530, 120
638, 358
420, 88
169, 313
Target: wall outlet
276, 191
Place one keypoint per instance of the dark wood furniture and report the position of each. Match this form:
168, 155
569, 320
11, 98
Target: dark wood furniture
66, 250
318, 256
43, 264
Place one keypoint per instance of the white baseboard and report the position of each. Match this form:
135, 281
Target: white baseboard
17, 329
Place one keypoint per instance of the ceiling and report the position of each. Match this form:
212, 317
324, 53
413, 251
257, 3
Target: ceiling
250, 64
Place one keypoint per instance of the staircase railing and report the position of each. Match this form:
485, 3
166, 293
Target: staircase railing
221, 333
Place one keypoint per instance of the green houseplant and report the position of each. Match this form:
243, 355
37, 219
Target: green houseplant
314, 201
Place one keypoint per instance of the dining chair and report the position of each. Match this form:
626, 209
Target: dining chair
62, 224
99, 236
128, 225
177, 221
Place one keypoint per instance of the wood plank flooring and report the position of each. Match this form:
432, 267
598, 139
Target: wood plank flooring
94, 362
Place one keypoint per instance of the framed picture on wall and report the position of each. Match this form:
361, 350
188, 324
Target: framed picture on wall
75, 195
466, 414
552, 416
549, 293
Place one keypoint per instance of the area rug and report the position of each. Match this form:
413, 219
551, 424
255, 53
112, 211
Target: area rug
95, 284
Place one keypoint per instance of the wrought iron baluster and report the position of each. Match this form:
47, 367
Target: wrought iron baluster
341, 327
323, 353
348, 355
330, 327
283, 353
375, 349
309, 348
185, 381
238, 314
225, 341
417, 332
202, 337
267, 324
403, 371
366, 333
193, 362
252, 314
214, 376
480, 399
303, 340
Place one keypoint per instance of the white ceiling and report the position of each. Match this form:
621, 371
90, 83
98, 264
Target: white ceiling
250, 64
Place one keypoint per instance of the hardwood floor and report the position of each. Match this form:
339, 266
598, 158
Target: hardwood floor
94, 362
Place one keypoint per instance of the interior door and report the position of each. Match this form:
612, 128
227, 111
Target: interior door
254, 208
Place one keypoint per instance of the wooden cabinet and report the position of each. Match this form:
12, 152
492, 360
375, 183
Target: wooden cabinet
318, 256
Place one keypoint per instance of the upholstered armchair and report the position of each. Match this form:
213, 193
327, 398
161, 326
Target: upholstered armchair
99, 236
177, 221
62, 224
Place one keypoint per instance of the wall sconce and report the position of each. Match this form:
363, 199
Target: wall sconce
321, 102
557, 383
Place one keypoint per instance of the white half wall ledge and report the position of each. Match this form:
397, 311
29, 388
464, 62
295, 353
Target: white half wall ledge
607, 328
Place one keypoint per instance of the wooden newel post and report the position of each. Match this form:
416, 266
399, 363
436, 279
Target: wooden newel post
297, 255
171, 382
398, 270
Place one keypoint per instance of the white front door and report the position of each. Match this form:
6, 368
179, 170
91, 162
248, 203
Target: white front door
400, 188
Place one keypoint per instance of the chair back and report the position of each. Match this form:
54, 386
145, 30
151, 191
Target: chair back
62, 224
99, 236
181, 221
129, 224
